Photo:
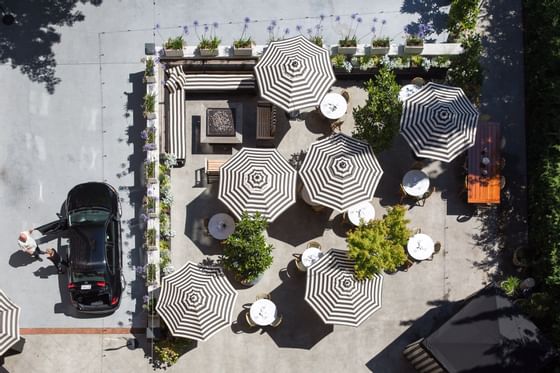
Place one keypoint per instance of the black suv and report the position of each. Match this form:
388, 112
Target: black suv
94, 253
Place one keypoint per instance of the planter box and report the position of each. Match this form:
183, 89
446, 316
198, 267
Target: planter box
243, 52
378, 50
413, 49
347, 50
149, 79
174, 52
152, 180
208, 52
150, 115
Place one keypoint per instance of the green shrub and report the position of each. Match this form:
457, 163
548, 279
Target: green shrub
510, 285
149, 71
338, 60
150, 169
246, 253
463, 15
377, 122
317, 40
379, 244
211, 43
151, 271
380, 42
416, 60
168, 351
243, 42
348, 41
466, 71
174, 43
151, 236
149, 103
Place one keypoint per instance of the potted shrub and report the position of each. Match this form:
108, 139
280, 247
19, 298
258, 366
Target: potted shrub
149, 71
414, 44
379, 244
149, 106
151, 239
246, 253
416, 60
348, 45
510, 285
243, 46
151, 172
208, 46
380, 46
150, 206
173, 47
340, 61
151, 274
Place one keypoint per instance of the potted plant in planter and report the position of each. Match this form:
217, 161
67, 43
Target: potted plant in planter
149, 77
151, 239
243, 46
416, 60
380, 46
208, 47
315, 34
340, 61
150, 206
510, 285
348, 43
151, 273
150, 168
379, 244
149, 106
414, 44
246, 253
173, 47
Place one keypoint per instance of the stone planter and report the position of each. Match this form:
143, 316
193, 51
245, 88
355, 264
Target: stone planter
149, 79
378, 50
413, 49
248, 283
174, 52
150, 115
208, 52
243, 52
347, 50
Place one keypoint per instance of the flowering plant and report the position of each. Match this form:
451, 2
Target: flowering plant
208, 39
274, 33
349, 39
244, 41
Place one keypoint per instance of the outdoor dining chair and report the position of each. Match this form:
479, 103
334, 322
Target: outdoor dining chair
249, 320
314, 244
263, 296
426, 195
437, 248
299, 264
276, 323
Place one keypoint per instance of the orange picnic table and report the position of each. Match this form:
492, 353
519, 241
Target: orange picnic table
483, 180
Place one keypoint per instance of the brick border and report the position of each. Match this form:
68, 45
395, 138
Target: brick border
28, 331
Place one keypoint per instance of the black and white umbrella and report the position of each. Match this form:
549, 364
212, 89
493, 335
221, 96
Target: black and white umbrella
294, 73
257, 180
196, 301
9, 323
336, 295
439, 122
340, 171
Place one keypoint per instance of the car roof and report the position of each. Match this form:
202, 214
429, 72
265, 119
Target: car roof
92, 194
87, 247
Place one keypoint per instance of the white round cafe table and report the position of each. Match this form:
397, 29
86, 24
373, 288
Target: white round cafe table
407, 91
263, 312
311, 256
221, 226
415, 183
420, 246
333, 105
363, 210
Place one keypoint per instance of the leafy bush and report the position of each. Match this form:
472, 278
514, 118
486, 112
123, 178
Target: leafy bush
149, 103
380, 42
149, 71
510, 285
416, 60
463, 15
168, 351
378, 121
338, 60
317, 40
379, 244
151, 236
466, 71
174, 43
211, 43
151, 271
150, 169
246, 253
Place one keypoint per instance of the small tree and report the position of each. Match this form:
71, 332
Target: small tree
379, 244
378, 121
246, 253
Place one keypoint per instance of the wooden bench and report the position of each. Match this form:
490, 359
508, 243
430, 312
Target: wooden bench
213, 169
266, 120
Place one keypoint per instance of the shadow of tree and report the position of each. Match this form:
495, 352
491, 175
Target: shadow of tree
431, 14
27, 44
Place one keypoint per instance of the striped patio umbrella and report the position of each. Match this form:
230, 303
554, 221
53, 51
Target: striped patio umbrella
9, 323
196, 301
340, 171
336, 295
294, 73
257, 180
439, 122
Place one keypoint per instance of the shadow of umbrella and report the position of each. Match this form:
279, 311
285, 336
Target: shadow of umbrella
301, 327
287, 227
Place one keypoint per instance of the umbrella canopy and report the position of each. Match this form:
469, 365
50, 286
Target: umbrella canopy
439, 122
340, 171
196, 301
294, 73
9, 323
257, 180
336, 295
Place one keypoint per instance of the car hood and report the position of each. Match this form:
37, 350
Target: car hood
92, 194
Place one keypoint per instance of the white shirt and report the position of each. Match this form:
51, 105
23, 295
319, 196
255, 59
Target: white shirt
29, 245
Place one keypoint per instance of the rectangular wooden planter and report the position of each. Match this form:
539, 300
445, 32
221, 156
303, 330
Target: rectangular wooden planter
347, 50
242, 52
208, 52
413, 49
173, 52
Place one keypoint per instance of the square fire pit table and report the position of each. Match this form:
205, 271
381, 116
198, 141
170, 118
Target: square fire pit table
221, 122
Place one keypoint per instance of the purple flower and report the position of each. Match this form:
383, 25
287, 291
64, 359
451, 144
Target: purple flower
247, 20
150, 146
215, 24
186, 30
298, 28
374, 19
205, 27
269, 28
144, 135
146, 298
273, 23
139, 269
195, 23
383, 21
286, 31
144, 217
337, 18
309, 31
321, 17
359, 19
354, 15
373, 29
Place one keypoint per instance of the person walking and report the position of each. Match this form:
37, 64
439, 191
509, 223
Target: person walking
28, 244
54, 257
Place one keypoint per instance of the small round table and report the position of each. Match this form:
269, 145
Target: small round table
407, 91
263, 312
311, 256
221, 226
333, 106
363, 210
420, 246
415, 183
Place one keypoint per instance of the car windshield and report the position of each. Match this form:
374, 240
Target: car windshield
86, 217
88, 276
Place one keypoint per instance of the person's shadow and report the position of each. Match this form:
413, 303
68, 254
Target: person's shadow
21, 259
45, 272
